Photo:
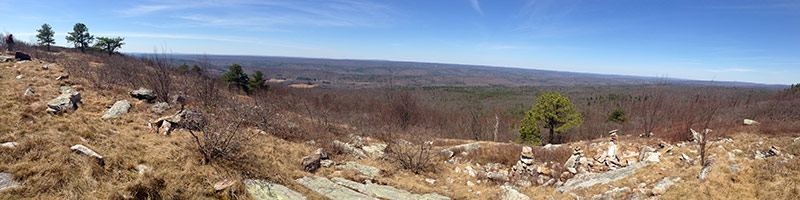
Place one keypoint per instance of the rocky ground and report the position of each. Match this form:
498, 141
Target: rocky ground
61, 140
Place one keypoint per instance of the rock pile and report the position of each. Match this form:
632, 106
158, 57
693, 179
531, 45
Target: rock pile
772, 151
186, 119
312, 162
355, 147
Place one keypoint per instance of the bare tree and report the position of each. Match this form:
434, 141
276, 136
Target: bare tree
160, 80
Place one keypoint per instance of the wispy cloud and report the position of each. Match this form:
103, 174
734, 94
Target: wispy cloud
205, 38
476, 5
253, 14
730, 70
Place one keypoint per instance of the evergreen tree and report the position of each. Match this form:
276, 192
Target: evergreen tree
80, 37
45, 36
236, 77
555, 112
257, 82
109, 45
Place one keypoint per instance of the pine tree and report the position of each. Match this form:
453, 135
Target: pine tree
109, 45
257, 82
555, 112
80, 37
45, 36
236, 77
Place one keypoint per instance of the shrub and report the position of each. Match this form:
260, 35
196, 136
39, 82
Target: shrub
618, 116
414, 157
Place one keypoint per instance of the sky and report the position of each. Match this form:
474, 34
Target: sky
728, 40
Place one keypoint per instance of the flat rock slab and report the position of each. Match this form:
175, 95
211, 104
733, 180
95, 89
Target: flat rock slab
330, 189
6, 182
364, 169
590, 179
385, 191
267, 190
509, 193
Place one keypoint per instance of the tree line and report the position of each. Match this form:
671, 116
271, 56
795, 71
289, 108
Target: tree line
81, 39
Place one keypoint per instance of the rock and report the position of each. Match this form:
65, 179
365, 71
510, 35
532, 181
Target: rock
385, 192
749, 122
355, 140
20, 76
6, 58
731, 156
119, 108
331, 190
68, 100
187, 119
9, 144
326, 163
223, 184
160, 107
616, 191
22, 56
45, 67
322, 154
267, 190
646, 135
661, 186
549, 182
734, 168
696, 137
551, 147
143, 94
447, 153
510, 193
80, 149
523, 183
686, 158
7, 182
652, 156
463, 148
28, 91
141, 168
310, 163
374, 150
350, 150
589, 179
470, 184
497, 176
430, 181
62, 77
706, 169
367, 170
470, 171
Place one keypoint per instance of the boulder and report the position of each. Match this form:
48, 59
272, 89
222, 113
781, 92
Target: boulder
20, 76
7, 181
652, 156
749, 122
661, 186
68, 100
312, 162
367, 170
331, 190
80, 149
385, 191
142, 168
374, 150
22, 56
143, 94
350, 150
186, 119
267, 190
160, 107
590, 179
510, 193
28, 91
62, 77
119, 108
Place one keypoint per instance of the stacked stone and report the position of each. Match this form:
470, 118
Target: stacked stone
525, 163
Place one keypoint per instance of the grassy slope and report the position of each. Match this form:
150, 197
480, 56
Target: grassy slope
49, 170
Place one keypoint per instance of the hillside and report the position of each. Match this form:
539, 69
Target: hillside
272, 136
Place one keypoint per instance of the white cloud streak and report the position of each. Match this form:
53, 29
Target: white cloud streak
476, 5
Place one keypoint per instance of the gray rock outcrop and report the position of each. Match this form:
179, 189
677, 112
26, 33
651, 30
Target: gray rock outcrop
267, 190
590, 179
119, 108
80, 149
386, 192
160, 107
374, 150
330, 189
350, 149
661, 186
510, 193
367, 170
68, 100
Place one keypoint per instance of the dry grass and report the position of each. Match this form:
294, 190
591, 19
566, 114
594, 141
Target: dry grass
48, 169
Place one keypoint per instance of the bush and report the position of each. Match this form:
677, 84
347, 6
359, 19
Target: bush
414, 157
618, 116
221, 138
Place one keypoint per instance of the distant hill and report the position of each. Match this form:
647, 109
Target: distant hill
347, 73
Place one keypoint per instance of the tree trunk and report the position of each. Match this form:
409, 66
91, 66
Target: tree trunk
552, 134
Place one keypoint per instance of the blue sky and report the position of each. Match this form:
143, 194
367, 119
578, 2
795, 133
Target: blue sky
753, 41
